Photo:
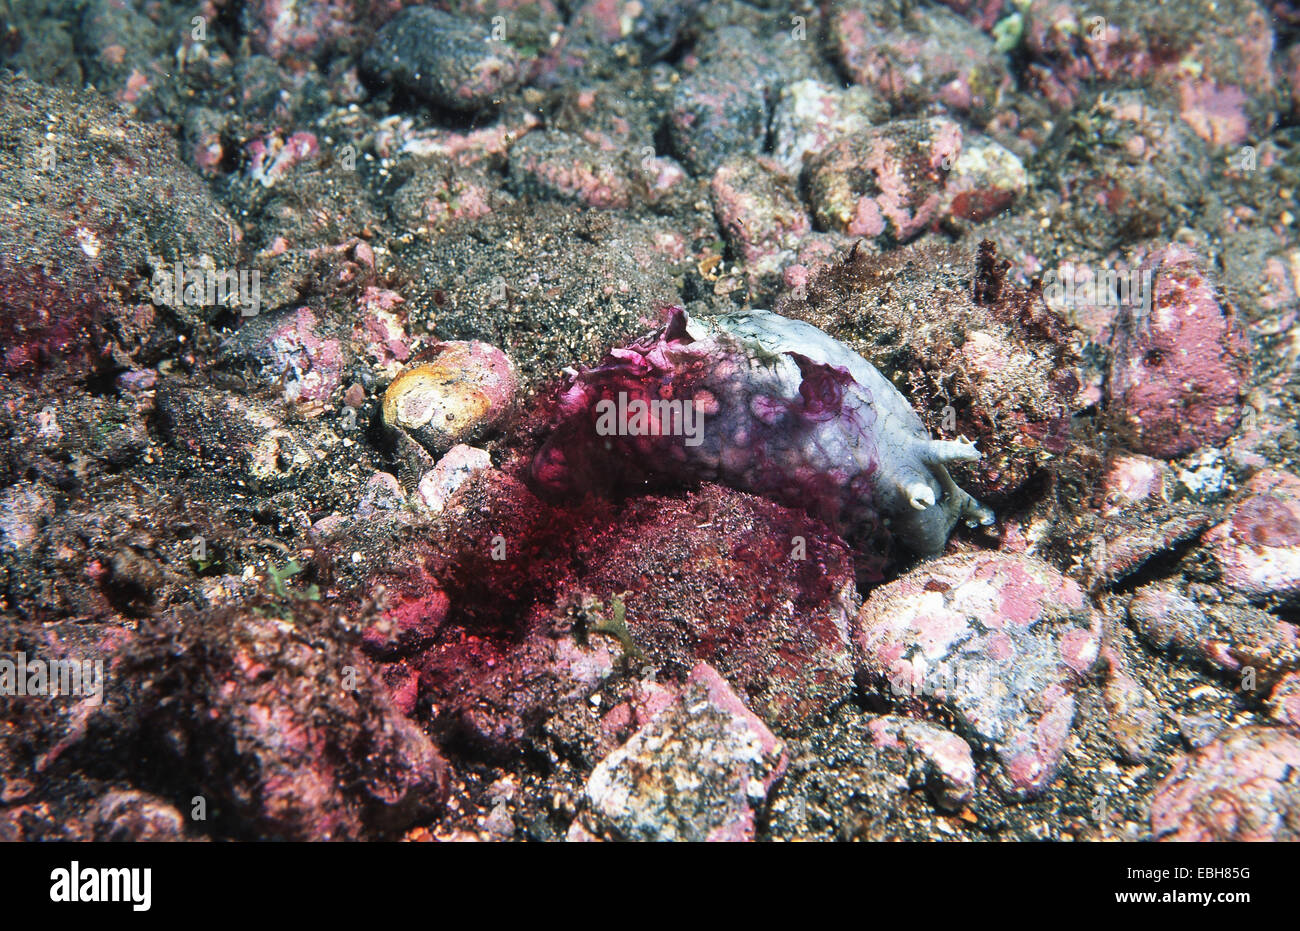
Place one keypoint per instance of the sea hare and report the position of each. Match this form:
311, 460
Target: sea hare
767, 405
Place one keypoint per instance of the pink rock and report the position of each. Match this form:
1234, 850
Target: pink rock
291, 30
311, 364
985, 180
759, 211
697, 771
382, 494
1239, 787
414, 610
453, 470
314, 747
556, 164
947, 766
886, 183
1284, 702
1001, 640
1177, 369
1258, 546
380, 333
810, 115
925, 52
1210, 60
1131, 480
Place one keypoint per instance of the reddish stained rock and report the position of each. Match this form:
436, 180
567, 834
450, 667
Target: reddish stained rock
556, 164
444, 193
466, 605
494, 688
646, 699
760, 591
1178, 369
48, 331
886, 183
1258, 547
1001, 640
920, 56
1228, 634
986, 179
301, 350
944, 762
1242, 786
281, 723
380, 329
412, 608
381, 497
697, 771
1209, 59
760, 214
1284, 702
716, 112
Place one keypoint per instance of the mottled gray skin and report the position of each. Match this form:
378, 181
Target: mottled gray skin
911, 487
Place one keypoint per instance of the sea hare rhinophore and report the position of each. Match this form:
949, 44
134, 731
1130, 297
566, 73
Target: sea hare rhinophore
767, 405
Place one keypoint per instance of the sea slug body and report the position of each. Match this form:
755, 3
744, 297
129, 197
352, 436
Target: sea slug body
767, 405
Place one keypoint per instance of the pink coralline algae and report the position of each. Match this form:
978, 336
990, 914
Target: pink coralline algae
769, 595
1003, 641
311, 364
1178, 366
924, 53
1208, 58
886, 183
767, 405
761, 217
697, 771
289, 30
46, 327
257, 712
569, 168
1132, 480
944, 761
270, 159
1258, 546
1240, 787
